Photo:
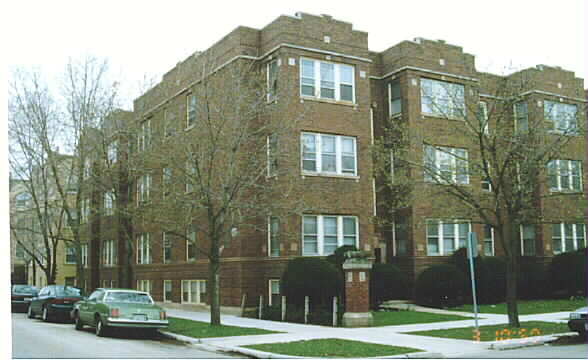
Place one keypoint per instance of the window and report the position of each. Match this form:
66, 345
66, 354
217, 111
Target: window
521, 115
144, 138
191, 111
272, 80
84, 249
85, 207
191, 244
166, 179
444, 237
19, 252
190, 176
564, 175
109, 203
111, 154
70, 255
144, 285
193, 291
394, 98
272, 155
326, 80
70, 281
87, 168
144, 248
561, 117
274, 292
488, 240
108, 252
483, 117
169, 123
568, 237
528, 240
274, 236
486, 181
143, 188
167, 291
446, 165
323, 234
400, 239
329, 154
22, 199
442, 98
167, 248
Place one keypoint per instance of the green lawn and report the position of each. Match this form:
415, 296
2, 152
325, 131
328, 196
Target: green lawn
332, 348
498, 332
387, 318
527, 307
199, 329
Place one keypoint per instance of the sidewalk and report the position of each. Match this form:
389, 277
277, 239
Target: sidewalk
385, 335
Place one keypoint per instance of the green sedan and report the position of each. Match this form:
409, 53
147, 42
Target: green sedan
106, 308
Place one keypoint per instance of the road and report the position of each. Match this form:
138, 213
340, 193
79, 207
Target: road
33, 338
534, 352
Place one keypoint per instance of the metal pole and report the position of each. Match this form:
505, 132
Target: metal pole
471, 255
306, 309
283, 308
260, 305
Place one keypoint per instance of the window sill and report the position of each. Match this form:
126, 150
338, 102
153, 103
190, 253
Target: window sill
189, 127
395, 116
441, 116
330, 175
327, 101
565, 192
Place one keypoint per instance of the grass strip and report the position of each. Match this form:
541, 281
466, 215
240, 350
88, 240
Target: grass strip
498, 332
332, 348
528, 307
388, 318
199, 329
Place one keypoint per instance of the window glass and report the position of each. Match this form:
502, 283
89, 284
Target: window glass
307, 78
330, 234
329, 157
308, 152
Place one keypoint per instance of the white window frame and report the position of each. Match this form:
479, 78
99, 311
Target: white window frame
71, 250
320, 232
144, 285
171, 285
272, 88
270, 283
87, 168
144, 248
563, 237
566, 165
111, 152
191, 237
191, 105
272, 151
318, 139
493, 252
567, 126
84, 249
85, 210
391, 100
191, 173
455, 110
199, 299
336, 80
166, 243
270, 253
440, 235
22, 199
432, 175
483, 117
522, 240
144, 138
109, 255
143, 189
109, 200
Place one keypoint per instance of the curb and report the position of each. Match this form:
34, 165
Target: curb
526, 342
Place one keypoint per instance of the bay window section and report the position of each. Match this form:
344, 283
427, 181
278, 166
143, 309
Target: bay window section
394, 98
443, 237
329, 154
327, 80
323, 234
442, 98
562, 118
446, 165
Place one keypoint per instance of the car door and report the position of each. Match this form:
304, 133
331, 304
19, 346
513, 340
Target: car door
37, 303
88, 307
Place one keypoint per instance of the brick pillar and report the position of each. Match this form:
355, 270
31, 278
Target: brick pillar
357, 292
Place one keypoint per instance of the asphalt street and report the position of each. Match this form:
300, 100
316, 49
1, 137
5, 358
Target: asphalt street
534, 352
33, 338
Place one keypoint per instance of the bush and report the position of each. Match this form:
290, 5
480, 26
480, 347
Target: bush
441, 285
338, 257
490, 276
312, 277
532, 282
568, 273
387, 282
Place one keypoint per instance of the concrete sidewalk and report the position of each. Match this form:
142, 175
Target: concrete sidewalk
386, 335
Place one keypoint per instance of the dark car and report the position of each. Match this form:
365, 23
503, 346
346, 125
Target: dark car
577, 321
54, 301
22, 295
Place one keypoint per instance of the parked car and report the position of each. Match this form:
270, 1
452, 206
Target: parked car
577, 321
22, 295
54, 301
106, 308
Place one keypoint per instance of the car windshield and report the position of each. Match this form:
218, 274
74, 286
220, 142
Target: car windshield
67, 291
130, 297
24, 289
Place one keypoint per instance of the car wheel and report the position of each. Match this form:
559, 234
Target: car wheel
45, 315
100, 328
30, 313
79, 323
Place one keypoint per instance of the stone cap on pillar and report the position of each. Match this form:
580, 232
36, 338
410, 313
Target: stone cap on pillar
357, 260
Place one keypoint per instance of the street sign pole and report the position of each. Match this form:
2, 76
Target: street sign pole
472, 253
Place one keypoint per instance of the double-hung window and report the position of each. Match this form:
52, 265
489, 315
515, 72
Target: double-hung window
144, 285
190, 175
568, 237
111, 152
442, 98
84, 249
528, 240
191, 244
272, 155
274, 292
193, 291
191, 111
329, 154
167, 248
562, 118
70, 255
394, 98
143, 188
446, 165
85, 210
144, 138
483, 117
273, 236
564, 175
144, 248
272, 80
488, 240
323, 234
326, 80
166, 179
108, 252
521, 115
444, 237
167, 290
109, 203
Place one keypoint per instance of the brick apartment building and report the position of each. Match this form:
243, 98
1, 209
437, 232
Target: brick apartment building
345, 92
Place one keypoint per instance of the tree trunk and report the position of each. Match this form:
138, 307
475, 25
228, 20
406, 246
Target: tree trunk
512, 275
214, 279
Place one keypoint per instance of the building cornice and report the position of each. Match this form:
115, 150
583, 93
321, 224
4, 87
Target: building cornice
414, 68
